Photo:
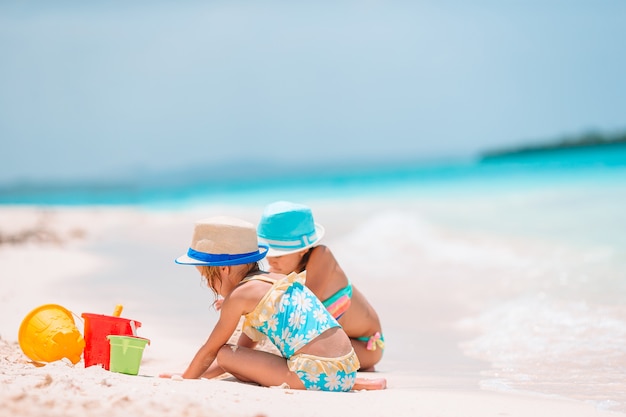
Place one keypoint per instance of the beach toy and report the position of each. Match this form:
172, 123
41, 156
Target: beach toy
118, 310
48, 334
97, 328
126, 353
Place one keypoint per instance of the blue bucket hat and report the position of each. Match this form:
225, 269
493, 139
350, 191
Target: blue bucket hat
220, 241
288, 228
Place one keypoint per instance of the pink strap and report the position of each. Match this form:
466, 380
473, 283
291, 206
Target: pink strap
375, 341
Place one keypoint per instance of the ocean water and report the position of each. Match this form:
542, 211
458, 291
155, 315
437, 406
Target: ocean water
605, 164
540, 239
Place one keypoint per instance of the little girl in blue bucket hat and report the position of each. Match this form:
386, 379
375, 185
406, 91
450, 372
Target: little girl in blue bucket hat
316, 353
293, 238
288, 228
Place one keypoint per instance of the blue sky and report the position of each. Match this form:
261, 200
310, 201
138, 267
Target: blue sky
106, 88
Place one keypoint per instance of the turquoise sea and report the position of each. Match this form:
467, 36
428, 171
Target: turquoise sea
530, 247
575, 166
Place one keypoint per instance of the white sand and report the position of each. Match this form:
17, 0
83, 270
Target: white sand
92, 259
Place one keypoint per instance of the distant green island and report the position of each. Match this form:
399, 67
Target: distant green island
590, 139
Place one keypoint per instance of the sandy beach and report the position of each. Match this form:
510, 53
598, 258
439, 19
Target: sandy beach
90, 259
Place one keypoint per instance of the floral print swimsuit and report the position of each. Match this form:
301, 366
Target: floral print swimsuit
290, 315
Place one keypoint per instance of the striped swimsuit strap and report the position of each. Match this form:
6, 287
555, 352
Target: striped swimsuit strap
339, 302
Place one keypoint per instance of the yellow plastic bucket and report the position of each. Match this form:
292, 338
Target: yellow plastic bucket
48, 334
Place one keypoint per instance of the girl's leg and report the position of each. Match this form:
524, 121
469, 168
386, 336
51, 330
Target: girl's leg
367, 358
252, 365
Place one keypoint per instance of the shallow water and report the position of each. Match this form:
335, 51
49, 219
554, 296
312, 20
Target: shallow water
537, 286
546, 287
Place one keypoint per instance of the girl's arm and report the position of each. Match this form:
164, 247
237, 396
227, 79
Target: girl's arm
214, 370
322, 270
229, 319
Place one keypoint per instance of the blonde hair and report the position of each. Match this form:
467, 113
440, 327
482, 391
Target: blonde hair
212, 275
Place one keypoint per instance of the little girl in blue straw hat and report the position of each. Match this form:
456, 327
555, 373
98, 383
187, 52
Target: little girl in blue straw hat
293, 238
316, 352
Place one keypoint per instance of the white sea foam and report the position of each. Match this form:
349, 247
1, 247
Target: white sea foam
551, 346
556, 322
402, 240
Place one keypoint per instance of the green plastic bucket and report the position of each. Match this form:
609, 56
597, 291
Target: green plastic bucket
126, 353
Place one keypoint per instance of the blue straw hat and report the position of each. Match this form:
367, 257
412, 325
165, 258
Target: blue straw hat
220, 241
288, 228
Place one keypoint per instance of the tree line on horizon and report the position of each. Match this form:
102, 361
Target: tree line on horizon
587, 139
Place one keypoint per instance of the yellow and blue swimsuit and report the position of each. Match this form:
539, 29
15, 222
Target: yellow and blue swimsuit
291, 316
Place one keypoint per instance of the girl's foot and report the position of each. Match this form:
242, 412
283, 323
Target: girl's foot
370, 384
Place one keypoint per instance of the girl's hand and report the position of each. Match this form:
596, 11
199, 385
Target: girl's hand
218, 304
176, 377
